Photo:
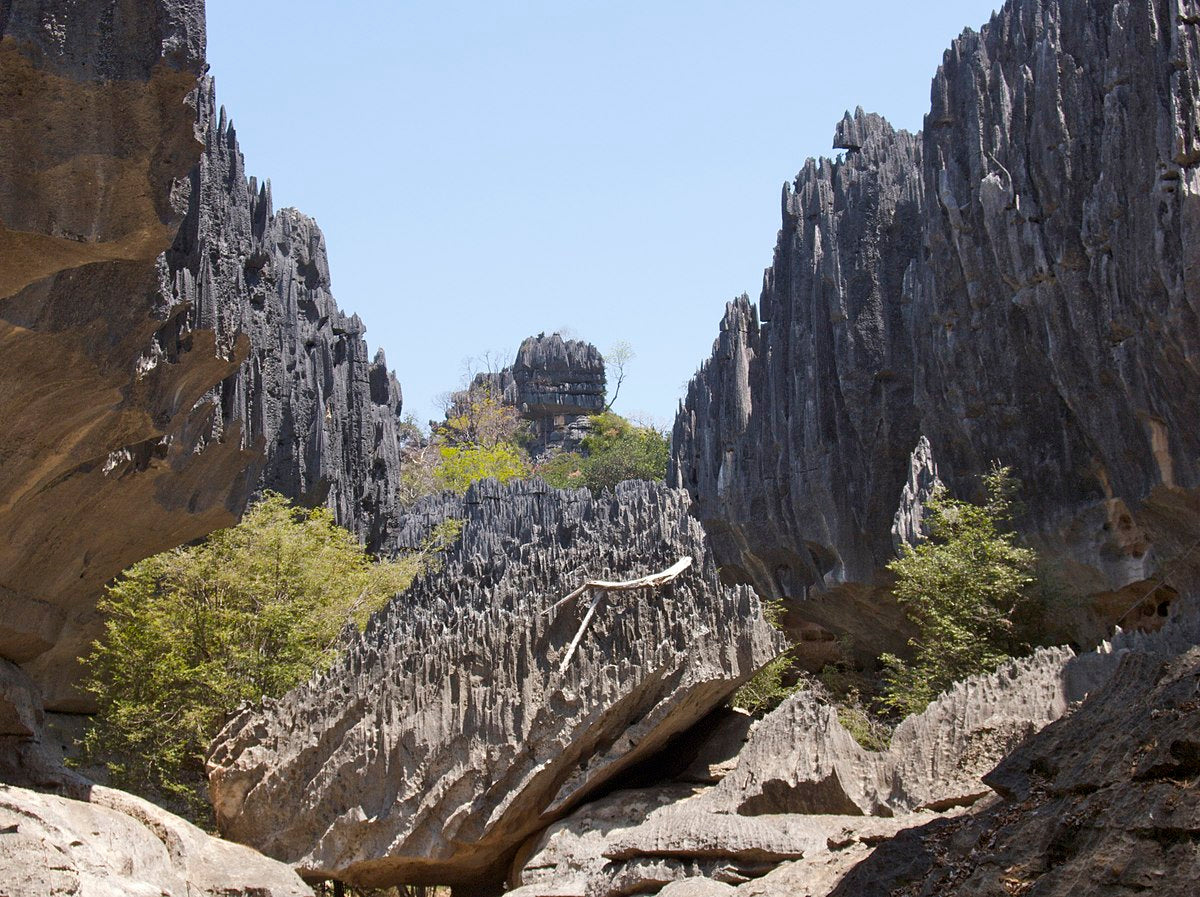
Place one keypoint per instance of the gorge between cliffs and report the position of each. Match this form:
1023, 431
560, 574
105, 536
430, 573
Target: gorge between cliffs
567, 699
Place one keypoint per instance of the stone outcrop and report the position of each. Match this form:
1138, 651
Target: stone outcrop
804, 803
642, 841
1015, 283
452, 731
908, 525
556, 385
1102, 802
325, 414
109, 842
169, 344
61, 834
801, 760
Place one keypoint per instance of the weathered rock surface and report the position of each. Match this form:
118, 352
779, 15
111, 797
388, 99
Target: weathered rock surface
1102, 802
168, 344
639, 841
556, 384
107, 842
908, 525
801, 760
1016, 283
805, 803
308, 394
449, 735
62, 834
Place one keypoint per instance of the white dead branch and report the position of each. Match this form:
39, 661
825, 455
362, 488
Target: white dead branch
603, 587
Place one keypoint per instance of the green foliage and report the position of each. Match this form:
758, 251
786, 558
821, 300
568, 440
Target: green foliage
481, 437
614, 450
869, 732
767, 688
460, 466
191, 633
962, 587
479, 416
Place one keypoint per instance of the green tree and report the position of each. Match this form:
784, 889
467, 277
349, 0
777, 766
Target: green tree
614, 450
191, 633
479, 416
962, 587
460, 466
768, 688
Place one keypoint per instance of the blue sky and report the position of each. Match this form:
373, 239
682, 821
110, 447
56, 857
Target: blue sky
484, 171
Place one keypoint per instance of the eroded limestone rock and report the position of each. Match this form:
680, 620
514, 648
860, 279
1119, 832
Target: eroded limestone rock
556, 384
449, 735
168, 344
107, 842
1102, 802
805, 802
1015, 283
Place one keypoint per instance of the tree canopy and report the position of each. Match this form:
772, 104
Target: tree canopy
614, 450
191, 633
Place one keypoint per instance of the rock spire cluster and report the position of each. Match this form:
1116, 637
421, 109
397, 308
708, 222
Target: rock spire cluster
1014, 283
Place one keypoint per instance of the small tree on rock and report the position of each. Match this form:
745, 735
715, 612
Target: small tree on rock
962, 587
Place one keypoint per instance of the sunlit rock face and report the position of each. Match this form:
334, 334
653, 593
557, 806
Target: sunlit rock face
109, 451
1016, 283
461, 721
1101, 802
169, 344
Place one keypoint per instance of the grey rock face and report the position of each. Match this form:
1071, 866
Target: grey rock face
21, 713
106, 842
1102, 802
170, 344
307, 394
801, 760
908, 527
556, 384
449, 735
95, 94
805, 802
1014, 283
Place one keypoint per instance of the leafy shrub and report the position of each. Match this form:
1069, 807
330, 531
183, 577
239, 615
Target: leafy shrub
460, 466
767, 688
869, 732
962, 588
614, 450
191, 633
479, 416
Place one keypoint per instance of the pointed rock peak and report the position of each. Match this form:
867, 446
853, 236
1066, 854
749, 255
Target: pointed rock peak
740, 314
853, 131
908, 526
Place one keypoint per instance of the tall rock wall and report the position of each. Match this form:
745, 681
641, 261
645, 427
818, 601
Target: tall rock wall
478, 707
169, 344
325, 413
1018, 282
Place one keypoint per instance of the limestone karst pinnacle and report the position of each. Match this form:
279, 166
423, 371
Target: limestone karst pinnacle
1016, 282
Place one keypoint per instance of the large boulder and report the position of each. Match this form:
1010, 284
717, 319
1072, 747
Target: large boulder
1102, 802
805, 803
555, 384
463, 720
106, 843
